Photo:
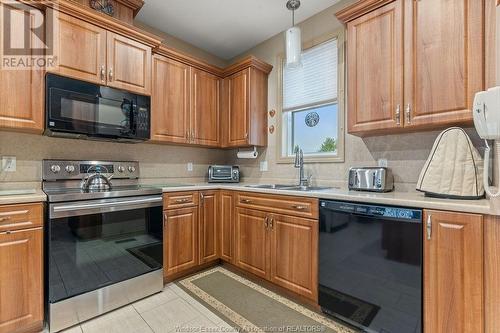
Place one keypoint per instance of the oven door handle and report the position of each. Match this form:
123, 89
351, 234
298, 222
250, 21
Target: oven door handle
65, 210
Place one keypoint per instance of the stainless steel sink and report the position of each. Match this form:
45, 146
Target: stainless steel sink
290, 187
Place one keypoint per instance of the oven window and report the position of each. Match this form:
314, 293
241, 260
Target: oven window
92, 251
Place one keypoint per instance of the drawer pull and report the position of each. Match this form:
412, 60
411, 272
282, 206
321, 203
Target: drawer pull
3, 219
246, 201
297, 207
182, 200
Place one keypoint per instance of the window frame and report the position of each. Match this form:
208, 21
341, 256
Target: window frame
282, 134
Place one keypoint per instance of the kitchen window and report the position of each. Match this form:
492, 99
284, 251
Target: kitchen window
312, 109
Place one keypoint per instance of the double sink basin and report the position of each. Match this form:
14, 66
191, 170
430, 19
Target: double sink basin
290, 187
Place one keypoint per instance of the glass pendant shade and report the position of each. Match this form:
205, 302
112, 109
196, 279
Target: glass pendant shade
293, 47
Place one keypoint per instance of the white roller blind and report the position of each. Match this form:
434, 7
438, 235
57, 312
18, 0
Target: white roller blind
316, 81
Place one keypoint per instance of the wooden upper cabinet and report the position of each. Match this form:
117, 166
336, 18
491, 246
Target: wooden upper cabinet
170, 111
129, 64
208, 226
444, 61
180, 234
294, 254
88, 52
205, 108
238, 90
21, 276
21, 91
80, 48
413, 65
375, 69
453, 272
252, 242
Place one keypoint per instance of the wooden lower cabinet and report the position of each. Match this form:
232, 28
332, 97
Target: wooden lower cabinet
21, 281
208, 230
180, 240
252, 241
294, 254
226, 226
453, 272
282, 249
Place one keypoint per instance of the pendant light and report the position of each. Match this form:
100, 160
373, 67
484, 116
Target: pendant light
293, 39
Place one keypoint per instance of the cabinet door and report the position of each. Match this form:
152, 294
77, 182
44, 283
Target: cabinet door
238, 96
226, 221
453, 272
252, 243
208, 230
21, 91
170, 101
205, 108
444, 61
180, 240
21, 280
80, 48
129, 64
294, 254
375, 70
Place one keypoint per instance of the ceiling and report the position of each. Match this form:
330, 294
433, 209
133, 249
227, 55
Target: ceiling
225, 28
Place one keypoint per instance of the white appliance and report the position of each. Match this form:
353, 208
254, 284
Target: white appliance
487, 121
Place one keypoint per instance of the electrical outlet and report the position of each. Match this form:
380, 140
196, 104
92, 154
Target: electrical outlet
190, 166
382, 162
264, 166
8, 163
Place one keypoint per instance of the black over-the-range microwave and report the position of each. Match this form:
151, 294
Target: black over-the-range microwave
81, 109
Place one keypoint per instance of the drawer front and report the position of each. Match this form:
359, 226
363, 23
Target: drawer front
282, 204
16, 217
176, 200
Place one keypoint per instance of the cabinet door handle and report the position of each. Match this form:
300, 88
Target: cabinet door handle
398, 114
165, 217
297, 207
428, 227
266, 222
246, 201
408, 113
110, 74
202, 197
246, 135
271, 223
103, 73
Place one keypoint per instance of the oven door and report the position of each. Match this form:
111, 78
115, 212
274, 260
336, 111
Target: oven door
96, 243
85, 109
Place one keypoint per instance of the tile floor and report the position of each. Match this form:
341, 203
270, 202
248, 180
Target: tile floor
170, 311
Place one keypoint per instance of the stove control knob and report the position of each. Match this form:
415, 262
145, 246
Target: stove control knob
121, 169
131, 169
70, 168
55, 168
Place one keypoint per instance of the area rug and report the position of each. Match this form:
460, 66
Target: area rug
251, 308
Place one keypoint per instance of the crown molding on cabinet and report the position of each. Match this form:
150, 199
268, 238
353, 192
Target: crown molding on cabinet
250, 61
360, 8
187, 59
109, 23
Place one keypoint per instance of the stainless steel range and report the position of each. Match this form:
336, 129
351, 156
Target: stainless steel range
104, 239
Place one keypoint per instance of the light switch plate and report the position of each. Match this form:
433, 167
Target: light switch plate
264, 166
190, 166
9, 164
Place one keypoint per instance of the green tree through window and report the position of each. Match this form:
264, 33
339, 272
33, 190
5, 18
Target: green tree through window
329, 145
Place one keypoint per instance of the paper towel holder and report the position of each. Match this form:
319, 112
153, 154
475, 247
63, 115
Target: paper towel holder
253, 153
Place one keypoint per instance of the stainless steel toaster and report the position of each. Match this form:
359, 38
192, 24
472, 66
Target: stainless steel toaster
372, 179
223, 174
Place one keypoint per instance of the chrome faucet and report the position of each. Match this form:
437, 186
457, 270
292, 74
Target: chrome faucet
299, 163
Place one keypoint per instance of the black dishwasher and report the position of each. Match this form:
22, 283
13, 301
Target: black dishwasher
370, 266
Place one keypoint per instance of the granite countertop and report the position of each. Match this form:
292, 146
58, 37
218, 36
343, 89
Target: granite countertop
36, 195
405, 199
